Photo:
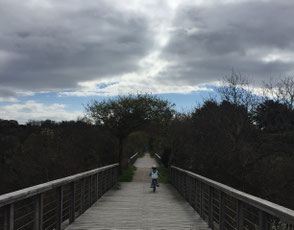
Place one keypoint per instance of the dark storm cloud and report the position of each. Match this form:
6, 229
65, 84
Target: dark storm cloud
6, 93
60, 43
208, 41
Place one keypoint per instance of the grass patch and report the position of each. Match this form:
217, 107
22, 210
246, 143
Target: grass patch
140, 155
127, 175
164, 174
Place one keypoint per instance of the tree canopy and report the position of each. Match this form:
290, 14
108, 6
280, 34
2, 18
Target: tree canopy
125, 114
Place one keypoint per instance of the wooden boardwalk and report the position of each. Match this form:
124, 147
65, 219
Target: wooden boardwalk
135, 206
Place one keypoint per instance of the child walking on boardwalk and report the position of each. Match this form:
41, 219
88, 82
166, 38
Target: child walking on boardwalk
154, 176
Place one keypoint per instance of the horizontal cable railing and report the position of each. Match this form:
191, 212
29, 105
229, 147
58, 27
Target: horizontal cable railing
55, 204
223, 207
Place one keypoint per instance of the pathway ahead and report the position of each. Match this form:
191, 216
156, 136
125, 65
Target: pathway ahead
135, 206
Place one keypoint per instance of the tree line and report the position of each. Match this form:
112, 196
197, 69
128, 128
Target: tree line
41, 151
112, 131
238, 137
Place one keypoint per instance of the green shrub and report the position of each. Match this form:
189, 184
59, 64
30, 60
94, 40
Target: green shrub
164, 174
127, 175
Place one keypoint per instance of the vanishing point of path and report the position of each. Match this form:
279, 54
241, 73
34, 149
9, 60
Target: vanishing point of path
135, 206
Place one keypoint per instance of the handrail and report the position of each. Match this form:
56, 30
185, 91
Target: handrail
41, 188
243, 199
159, 157
133, 159
56, 201
134, 155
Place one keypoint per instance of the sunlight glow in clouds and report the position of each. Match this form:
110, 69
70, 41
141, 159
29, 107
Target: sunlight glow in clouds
82, 48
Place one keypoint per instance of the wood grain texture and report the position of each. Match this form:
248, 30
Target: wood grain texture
135, 206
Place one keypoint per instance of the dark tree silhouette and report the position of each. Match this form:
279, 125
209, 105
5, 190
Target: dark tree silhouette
273, 116
126, 114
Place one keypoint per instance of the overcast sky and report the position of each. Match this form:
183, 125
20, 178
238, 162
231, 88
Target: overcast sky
56, 55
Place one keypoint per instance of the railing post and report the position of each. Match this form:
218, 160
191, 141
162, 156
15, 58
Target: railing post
38, 218
201, 199
178, 179
194, 194
210, 207
82, 199
175, 178
188, 188
72, 203
59, 207
222, 211
108, 179
95, 187
262, 219
9, 217
184, 186
90, 190
99, 184
103, 182
5, 216
240, 215
112, 177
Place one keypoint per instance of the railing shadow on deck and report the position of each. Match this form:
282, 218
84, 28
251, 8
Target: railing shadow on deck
223, 207
55, 204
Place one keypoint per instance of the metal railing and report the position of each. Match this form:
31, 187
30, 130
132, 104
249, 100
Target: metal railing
55, 204
223, 207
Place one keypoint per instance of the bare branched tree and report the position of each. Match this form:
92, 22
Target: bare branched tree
281, 90
237, 90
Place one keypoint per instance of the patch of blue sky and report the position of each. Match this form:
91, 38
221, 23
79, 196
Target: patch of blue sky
187, 102
105, 85
4, 103
183, 102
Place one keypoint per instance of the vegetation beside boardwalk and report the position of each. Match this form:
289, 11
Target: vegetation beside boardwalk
164, 174
141, 155
238, 138
127, 175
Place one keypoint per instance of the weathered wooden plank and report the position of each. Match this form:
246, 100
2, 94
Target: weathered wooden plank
135, 206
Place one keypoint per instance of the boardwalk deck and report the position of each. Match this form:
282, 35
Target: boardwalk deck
135, 206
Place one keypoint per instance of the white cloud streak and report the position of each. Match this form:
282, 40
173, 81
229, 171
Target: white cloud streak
31, 110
